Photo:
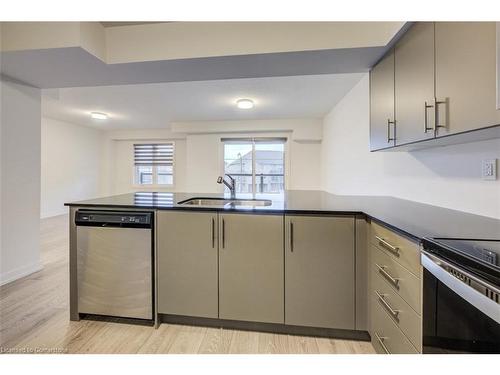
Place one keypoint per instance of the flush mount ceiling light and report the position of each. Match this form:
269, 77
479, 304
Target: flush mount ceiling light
98, 116
244, 103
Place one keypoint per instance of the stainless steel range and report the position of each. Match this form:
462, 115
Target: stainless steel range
461, 300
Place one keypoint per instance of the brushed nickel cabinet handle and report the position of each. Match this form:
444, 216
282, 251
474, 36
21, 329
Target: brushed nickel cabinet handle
389, 123
223, 233
380, 340
394, 281
436, 113
393, 249
213, 233
426, 125
291, 237
388, 308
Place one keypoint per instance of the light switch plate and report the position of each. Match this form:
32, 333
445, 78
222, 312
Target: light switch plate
489, 169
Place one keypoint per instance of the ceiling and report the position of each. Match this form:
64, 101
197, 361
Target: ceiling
75, 67
157, 105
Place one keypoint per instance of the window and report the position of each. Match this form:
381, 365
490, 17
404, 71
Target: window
257, 164
154, 164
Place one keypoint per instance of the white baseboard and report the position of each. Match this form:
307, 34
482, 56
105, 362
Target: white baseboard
12, 275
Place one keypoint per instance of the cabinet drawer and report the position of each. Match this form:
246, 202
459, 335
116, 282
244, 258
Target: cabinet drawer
397, 309
398, 247
386, 336
400, 280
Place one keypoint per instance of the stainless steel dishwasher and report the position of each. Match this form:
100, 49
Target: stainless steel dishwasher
115, 263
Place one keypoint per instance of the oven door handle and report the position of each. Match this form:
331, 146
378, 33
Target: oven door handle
437, 267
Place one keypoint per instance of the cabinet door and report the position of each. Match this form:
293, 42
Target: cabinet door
466, 76
382, 104
251, 267
320, 272
414, 83
187, 263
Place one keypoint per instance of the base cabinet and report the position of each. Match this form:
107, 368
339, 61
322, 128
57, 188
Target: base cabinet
394, 292
251, 286
296, 270
187, 263
320, 271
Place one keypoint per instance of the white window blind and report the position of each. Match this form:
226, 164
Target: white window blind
154, 154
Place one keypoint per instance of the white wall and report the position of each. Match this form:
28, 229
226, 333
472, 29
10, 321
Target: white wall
72, 158
445, 176
205, 154
20, 182
199, 153
123, 167
119, 168
204, 150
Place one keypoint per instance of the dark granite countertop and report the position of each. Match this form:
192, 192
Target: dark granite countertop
416, 220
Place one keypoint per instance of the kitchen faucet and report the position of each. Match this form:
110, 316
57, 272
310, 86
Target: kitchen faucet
230, 185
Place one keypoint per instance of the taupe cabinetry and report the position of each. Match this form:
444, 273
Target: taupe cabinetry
251, 267
465, 76
187, 263
295, 269
414, 84
320, 271
395, 292
444, 83
382, 125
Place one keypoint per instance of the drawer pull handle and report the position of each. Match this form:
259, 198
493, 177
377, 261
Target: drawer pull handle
380, 340
393, 249
394, 313
393, 280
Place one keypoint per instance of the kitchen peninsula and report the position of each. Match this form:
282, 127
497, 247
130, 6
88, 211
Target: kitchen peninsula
297, 263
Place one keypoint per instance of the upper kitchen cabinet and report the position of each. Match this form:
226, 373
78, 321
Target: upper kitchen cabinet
444, 84
382, 125
465, 76
414, 84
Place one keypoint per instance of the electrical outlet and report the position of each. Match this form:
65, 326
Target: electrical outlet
489, 169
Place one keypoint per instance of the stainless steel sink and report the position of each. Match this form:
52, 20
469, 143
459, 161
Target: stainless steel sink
223, 203
251, 202
206, 202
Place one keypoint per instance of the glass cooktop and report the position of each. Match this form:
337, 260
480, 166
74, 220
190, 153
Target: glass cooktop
481, 257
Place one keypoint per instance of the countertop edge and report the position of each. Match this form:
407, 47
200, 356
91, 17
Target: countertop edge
259, 212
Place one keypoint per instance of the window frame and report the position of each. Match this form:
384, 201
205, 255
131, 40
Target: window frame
155, 184
252, 141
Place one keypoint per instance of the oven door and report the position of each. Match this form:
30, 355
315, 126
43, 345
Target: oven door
458, 318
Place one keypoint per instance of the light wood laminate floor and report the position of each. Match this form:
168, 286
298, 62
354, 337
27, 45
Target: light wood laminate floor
34, 317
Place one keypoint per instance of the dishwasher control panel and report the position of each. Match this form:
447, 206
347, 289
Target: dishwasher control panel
112, 218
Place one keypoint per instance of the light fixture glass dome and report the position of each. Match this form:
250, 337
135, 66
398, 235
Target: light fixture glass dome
98, 115
244, 103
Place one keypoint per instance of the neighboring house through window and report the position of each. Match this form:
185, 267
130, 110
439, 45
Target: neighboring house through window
154, 164
257, 164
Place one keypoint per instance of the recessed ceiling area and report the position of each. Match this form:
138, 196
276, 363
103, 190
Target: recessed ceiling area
157, 105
